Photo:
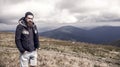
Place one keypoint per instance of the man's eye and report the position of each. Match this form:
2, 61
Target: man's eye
30, 18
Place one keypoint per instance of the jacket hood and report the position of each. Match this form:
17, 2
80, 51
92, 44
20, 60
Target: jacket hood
23, 23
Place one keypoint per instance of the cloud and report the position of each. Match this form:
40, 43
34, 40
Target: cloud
92, 9
40, 8
63, 16
64, 12
61, 11
43, 10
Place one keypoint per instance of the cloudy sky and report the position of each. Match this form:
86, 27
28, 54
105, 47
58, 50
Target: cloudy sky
56, 13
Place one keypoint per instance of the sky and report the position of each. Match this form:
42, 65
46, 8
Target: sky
51, 14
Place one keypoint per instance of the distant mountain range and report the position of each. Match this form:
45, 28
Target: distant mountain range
98, 35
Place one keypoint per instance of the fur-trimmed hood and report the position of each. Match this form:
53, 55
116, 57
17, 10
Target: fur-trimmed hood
23, 22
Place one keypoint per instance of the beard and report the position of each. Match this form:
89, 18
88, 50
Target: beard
30, 24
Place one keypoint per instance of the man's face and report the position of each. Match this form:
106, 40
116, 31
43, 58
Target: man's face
29, 18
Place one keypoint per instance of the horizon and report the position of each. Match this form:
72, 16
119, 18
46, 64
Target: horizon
45, 29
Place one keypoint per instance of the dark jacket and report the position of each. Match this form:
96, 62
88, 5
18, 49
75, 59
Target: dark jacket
22, 39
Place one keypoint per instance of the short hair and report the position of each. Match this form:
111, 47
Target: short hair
28, 13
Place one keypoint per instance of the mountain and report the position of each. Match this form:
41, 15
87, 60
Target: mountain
7, 30
98, 35
105, 34
65, 33
116, 43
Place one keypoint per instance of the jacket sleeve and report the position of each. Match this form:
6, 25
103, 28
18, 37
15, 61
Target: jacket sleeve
18, 38
36, 39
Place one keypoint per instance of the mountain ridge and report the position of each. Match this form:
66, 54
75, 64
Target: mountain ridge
98, 35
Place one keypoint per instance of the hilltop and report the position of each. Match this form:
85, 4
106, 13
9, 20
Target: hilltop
59, 53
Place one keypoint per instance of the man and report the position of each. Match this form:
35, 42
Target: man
27, 40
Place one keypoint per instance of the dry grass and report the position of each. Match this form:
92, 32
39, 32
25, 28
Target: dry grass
58, 53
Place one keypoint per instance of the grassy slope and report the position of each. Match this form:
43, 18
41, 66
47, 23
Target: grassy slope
58, 53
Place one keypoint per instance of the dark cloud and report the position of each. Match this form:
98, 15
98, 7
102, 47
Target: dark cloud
10, 1
75, 6
4, 3
72, 5
67, 4
108, 17
11, 11
8, 20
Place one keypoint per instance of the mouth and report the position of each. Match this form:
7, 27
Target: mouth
30, 21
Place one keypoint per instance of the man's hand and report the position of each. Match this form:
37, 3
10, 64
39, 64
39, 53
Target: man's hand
37, 49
